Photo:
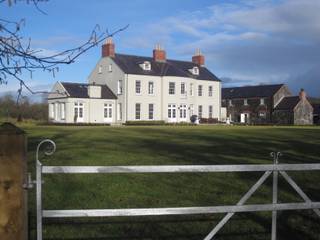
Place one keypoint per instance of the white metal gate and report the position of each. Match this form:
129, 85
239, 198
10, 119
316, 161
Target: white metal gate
267, 169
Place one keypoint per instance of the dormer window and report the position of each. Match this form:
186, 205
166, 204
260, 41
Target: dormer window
100, 69
146, 66
194, 70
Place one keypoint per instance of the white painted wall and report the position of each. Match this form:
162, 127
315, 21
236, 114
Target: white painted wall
101, 74
93, 110
110, 78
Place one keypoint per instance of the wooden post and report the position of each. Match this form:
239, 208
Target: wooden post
13, 175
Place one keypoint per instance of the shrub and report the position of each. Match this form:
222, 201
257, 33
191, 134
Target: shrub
144, 123
209, 120
193, 118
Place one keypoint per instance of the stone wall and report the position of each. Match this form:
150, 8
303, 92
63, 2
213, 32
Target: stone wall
303, 113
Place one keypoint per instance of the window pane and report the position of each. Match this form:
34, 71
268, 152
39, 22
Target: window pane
150, 111
183, 88
151, 85
138, 87
200, 90
171, 88
210, 91
138, 108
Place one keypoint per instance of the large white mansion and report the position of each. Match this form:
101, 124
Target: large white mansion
132, 88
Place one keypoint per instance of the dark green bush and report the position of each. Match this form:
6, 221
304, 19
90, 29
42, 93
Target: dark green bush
144, 123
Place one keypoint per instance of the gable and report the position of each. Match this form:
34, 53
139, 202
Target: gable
58, 91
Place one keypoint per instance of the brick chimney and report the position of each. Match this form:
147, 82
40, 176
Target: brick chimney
159, 54
198, 58
108, 48
302, 94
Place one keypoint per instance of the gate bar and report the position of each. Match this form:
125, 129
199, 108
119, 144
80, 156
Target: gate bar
180, 168
241, 202
298, 190
177, 211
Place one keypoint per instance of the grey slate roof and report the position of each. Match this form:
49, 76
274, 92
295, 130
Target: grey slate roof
250, 91
130, 65
288, 103
80, 90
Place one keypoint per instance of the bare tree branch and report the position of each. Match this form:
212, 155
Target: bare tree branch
18, 57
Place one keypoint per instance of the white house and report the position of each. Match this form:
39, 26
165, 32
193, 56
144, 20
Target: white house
132, 88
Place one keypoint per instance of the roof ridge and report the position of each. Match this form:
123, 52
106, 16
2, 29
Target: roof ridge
169, 59
264, 85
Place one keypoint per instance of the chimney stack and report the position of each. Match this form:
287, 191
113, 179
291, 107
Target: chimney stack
302, 94
159, 55
108, 49
198, 58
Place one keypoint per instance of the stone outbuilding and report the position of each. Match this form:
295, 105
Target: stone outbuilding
295, 110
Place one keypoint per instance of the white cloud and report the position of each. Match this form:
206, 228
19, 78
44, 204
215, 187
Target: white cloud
251, 41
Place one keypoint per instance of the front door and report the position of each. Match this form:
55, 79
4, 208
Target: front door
244, 117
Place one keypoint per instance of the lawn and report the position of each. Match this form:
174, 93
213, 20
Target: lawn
165, 145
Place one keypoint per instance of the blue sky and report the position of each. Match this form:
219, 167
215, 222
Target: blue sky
245, 42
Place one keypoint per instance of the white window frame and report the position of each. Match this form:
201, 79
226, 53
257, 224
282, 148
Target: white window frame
195, 70
210, 91
108, 112
262, 101
191, 108
120, 87
151, 87
138, 87
172, 112
147, 66
230, 103
172, 88
191, 89
183, 89
200, 90
210, 110
183, 112
119, 109
151, 111
200, 111
263, 114
100, 69
110, 68
245, 102
138, 112
79, 111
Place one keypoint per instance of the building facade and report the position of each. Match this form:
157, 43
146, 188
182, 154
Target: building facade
295, 110
266, 104
253, 104
149, 88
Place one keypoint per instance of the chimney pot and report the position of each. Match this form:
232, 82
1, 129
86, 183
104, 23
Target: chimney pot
198, 58
159, 55
108, 48
302, 94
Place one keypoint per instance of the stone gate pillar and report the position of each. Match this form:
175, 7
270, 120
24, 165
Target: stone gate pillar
13, 174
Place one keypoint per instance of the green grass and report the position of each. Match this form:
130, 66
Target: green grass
163, 145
